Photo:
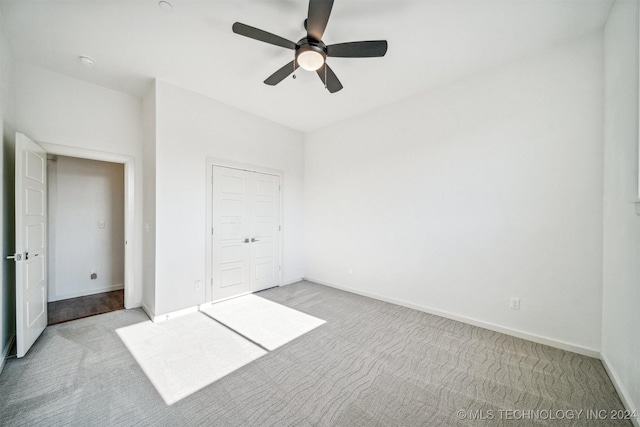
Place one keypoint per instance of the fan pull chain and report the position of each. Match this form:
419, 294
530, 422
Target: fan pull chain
294, 70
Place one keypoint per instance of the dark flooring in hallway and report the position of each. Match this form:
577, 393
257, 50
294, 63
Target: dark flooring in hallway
90, 305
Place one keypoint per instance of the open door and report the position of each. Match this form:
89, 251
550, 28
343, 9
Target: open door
30, 256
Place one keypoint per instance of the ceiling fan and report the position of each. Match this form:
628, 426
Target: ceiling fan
310, 52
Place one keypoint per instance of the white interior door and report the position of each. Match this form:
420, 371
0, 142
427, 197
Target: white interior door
30, 257
231, 247
265, 222
246, 230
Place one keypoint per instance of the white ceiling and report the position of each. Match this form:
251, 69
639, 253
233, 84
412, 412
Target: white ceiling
430, 43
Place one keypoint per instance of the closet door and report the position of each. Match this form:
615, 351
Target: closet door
231, 247
265, 223
246, 232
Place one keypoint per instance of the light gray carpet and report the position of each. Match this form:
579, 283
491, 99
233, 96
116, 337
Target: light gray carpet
371, 364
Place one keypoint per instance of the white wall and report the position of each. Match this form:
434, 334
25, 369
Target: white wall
81, 194
190, 128
7, 233
149, 202
56, 109
621, 293
459, 198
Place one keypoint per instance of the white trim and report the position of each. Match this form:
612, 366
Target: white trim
147, 311
208, 261
291, 282
85, 292
174, 314
210, 163
471, 321
622, 391
213, 161
84, 153
52, 215
5, 352
130, 286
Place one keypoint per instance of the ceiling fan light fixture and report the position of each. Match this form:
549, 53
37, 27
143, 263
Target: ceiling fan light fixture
311, 52
310, 58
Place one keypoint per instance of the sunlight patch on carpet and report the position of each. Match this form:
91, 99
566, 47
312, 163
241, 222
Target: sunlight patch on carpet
264, 322
182, 355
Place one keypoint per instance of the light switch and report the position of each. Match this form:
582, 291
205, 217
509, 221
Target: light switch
101, 224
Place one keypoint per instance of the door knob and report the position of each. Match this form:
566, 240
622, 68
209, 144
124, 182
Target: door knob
253, 239
245, 240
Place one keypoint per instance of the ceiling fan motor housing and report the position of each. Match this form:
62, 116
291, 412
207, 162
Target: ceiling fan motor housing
307, 45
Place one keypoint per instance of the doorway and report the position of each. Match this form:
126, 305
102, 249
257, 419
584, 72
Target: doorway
244, 245
30, 251
131, 288
85, 207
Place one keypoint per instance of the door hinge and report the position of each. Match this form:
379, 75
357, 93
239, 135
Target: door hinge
279, 228
212, 231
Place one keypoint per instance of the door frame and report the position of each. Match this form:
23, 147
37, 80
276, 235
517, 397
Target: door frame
210, 163
129, 206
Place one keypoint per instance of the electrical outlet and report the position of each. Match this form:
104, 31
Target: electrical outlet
197, 284
514, 303
350, 271
101, 224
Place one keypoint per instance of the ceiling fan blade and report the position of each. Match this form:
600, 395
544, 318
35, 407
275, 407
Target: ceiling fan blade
333, 84
282, 73
319, 11
263, 36
368, 49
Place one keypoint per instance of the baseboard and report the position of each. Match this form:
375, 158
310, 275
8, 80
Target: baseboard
147, 311
291, 282
620, 388
86, 292
174, 314
471, 321
5, 352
